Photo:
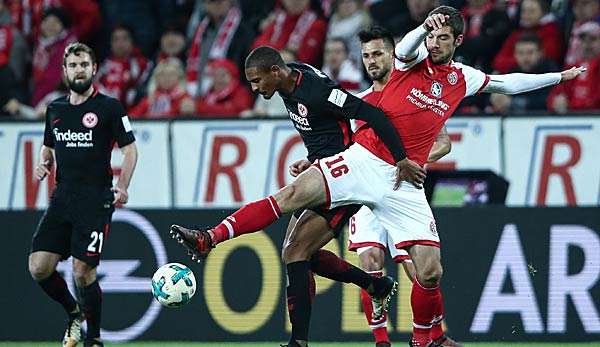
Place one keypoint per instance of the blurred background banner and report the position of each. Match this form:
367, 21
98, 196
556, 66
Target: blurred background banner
197, 164
534, 275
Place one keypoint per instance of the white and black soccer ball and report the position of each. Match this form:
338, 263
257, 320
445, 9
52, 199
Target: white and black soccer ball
173, 285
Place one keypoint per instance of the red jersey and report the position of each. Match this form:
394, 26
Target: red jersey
418, 99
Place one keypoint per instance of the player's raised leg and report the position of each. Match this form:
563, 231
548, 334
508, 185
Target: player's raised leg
306, 191
42, 267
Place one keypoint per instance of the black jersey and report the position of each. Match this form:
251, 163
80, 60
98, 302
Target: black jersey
321, 111
83, 137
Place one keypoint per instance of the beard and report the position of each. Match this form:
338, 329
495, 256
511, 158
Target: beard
379, 75
79, 86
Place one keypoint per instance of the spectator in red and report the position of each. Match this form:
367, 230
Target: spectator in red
48, 53
28, 15
582, 93
530, 59
227, 97
221, 34
486, 28
298, 29
583, 11
535, 17
121, 74
338, 66
13, 48
166, 93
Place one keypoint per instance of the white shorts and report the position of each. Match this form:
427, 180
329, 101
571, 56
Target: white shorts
356, 176
366, 231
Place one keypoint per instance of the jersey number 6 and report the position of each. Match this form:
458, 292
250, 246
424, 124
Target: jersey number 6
337, 170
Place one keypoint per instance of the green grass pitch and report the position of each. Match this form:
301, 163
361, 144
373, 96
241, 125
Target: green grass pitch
276, 344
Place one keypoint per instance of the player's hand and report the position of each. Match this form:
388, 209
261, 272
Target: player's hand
410, 171
299, 166
42, 170
121, 196
572, 73
435, 21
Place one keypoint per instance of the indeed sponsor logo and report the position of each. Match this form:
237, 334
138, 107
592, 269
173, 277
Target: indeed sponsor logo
299, 121
72, 135
430, 101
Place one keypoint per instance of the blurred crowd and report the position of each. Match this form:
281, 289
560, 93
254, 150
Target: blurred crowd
170, 58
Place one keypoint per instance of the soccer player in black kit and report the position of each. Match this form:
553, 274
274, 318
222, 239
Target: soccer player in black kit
81, 130
320, 111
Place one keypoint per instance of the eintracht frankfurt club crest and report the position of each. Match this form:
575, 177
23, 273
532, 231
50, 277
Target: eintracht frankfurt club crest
89, 120
302, 110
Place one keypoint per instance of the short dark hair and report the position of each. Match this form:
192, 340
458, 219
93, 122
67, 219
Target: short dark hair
376, 33
530, 37
340, 40
77, 48
455, 21
125, 27
263, 58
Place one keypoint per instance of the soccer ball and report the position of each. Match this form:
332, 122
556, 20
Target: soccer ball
173, 285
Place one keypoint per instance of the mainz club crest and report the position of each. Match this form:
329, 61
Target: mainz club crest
452, 78
89, 120
302, 110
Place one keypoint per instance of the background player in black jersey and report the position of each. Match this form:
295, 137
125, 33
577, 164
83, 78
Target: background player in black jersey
320, 111
81, 129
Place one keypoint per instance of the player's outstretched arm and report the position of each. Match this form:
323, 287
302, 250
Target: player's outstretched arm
516, 83
441, 146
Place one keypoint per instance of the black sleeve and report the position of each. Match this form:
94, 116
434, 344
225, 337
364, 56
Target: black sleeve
341, 103
48, 138
120, 126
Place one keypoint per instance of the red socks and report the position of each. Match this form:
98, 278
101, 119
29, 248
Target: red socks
379, 327
250, 218
428, 311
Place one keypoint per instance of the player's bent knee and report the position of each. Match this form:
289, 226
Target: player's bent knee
372, 259
39, 270
294, 251
431, 275
39, 267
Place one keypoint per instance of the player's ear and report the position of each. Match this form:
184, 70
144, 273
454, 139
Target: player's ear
94, 69
459, 40
275, 69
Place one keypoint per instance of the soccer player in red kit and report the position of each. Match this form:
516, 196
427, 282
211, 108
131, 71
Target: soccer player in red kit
420, 96
367, 236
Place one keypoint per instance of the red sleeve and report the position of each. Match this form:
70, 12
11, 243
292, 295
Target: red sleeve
505, 59
88, 17
311, 50
140, 110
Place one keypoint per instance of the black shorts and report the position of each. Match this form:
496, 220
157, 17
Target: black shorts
337, 218
77, 223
